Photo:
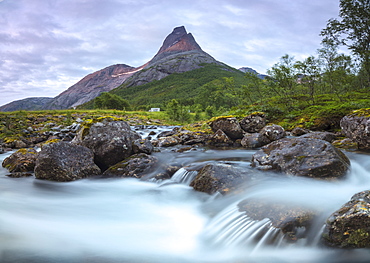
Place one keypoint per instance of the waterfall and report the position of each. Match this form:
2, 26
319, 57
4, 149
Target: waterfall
233, 228
183, 176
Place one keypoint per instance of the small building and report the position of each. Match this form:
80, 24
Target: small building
155, 109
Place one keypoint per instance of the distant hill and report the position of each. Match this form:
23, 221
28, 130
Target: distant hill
36, 103
250, 70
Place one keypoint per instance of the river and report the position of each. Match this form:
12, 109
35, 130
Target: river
131, 220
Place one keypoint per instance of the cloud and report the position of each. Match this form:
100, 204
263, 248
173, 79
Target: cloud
47, 46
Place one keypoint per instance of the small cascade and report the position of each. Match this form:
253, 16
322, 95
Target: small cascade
183, 176
233, 228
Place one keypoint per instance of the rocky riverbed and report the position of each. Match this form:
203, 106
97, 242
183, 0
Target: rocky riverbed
229, 166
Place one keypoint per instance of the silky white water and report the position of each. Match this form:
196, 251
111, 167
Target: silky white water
128, 220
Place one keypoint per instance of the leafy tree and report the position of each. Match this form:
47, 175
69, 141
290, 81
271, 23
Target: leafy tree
283, 77
310, 72
217, 93
254, 89
177, 112
337, 68
352, 30
111, 101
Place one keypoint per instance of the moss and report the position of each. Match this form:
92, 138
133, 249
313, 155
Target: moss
25, 151
361, 112
359, 238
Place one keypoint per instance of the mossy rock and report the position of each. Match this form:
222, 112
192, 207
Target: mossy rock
349, 227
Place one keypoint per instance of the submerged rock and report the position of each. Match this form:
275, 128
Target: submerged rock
137, 166
22, 161
349, 227
302, 157
64, 162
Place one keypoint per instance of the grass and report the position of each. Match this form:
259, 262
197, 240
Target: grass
325, 114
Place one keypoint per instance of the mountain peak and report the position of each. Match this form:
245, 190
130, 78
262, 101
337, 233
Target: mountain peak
179, 41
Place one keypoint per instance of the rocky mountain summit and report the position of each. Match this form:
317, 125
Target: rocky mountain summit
179, 53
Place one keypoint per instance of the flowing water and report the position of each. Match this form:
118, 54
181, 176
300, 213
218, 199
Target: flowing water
130, 220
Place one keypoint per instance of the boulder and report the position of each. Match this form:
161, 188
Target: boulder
349, 227
19, 144
356, 126
168, 141
218, 177
137, 166
219, 138
110, 141
293, 221
253, 123
167, 133
302, 157
64, 162
229, 125
346, 144
254, 140
326, 136
272, 132
142, 146
23, 161
298, 131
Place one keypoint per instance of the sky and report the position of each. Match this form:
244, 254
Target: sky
46, 46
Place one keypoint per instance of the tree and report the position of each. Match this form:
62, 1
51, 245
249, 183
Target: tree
254, 89
111, 101
337, 68
352, 30
283, 77
177, 112
217, 93
310, 73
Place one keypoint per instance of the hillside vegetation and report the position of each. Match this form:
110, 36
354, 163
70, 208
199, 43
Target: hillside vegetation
185, 87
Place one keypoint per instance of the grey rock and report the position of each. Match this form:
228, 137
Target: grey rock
253, 123
137, 166
356, 126
302, 157
326, 136
111, 141
142, 146
349, 227
23, 160
230, 126
65, 162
